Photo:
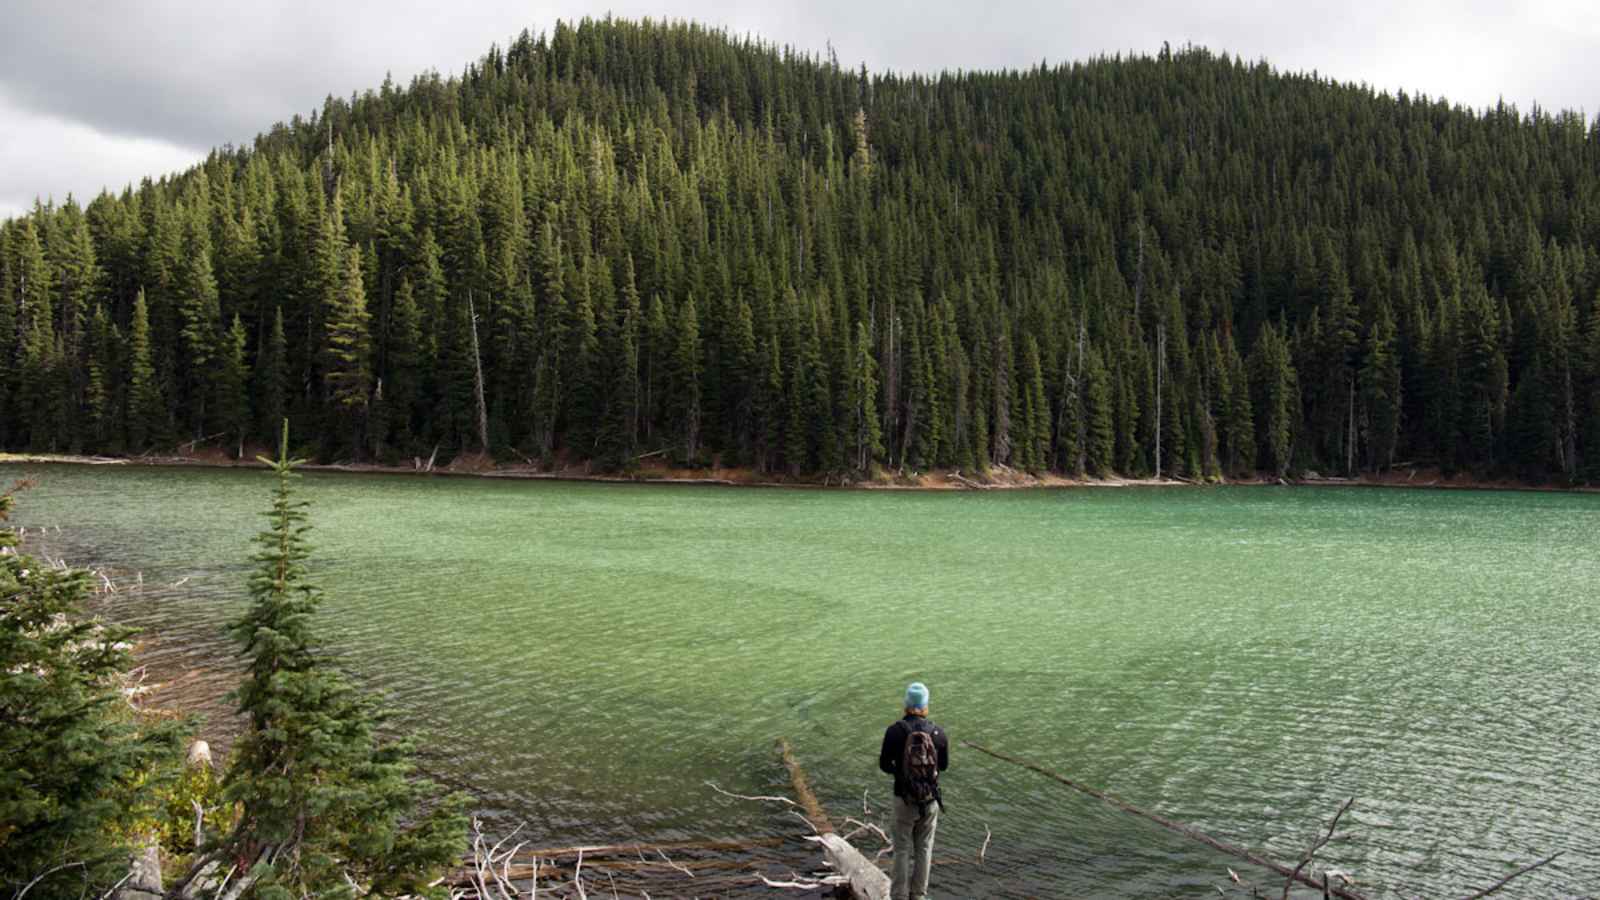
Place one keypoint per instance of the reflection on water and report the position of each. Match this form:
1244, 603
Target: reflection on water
586, 657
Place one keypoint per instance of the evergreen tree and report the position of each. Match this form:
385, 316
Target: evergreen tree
36, 341
200, 318
147, 411
867, 444
1238, 427
77, 769
232, 386
684, 383
1099, 416
404, 366
101, 386
1036, 409
1274, 390
347, 353
623, 429
272, 378
1380, 391
324, 801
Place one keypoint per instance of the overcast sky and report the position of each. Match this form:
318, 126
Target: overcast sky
98, 93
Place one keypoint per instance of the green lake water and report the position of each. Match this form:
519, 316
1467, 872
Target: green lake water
584, 657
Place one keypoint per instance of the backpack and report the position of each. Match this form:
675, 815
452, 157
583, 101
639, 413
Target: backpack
919, 765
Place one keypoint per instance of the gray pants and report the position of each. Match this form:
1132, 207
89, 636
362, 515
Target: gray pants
913, 842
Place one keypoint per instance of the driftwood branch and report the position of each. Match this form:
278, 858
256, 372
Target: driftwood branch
1185, 830
684, 869
43, 875
111, 891
1322, 842
758, 798
1513, 876
797, 883
867, 826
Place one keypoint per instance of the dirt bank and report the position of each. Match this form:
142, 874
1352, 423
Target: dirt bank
656, 471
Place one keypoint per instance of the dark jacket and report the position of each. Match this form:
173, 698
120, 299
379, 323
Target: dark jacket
894, 748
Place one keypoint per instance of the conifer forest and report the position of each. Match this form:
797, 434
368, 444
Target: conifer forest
616, 240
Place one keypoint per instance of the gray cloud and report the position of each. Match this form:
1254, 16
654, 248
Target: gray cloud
186, 76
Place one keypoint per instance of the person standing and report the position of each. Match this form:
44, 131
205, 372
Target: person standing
914, 751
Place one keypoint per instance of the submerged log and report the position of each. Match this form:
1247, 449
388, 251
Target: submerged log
802, 790
1188, 831
865, 880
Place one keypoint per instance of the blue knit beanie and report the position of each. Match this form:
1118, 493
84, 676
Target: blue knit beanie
917, 696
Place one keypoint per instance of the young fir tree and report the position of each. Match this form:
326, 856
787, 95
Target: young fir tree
867, 444
1036, 409
684, 383
327, 807
35, 352
200, 322
1275, 398
1380, 390
402, 383
623, 429
1238, 422
347, 354
78, 765
1099, 412
147, 411
231, 387
100, 386
272, 378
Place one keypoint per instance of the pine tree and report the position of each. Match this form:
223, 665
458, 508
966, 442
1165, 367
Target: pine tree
1036, 409
1100, 416
868, 439
272, 378
323, 800
1380, 390
404, 362
232, 385
1001, 397
684, 382
101, 384
347, 353
623, 429
1274, 393
78, 767
200, 320
1484, 380
1238, 426
36, 337
147, 411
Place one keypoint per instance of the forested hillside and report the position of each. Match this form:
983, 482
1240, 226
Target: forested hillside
620, 239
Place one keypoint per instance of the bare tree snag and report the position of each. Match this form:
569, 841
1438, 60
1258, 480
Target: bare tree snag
1322, 842
477, 378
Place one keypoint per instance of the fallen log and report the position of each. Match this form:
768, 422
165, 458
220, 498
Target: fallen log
802, 790
1188, 831
866, 880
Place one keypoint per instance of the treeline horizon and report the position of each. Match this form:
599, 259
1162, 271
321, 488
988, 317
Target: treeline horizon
623, 239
